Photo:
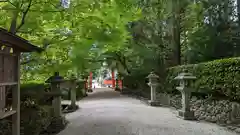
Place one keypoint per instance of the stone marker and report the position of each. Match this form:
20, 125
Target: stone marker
73, 92
153, 83
235, 113
163, 99
184, 87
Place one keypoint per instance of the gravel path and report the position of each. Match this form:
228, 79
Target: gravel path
105, 112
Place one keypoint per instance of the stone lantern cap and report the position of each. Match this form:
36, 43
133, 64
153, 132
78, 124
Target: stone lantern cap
55, 78
152, 75
185, 76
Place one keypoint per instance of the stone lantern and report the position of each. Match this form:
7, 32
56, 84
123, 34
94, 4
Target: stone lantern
55, 82
73, 91
185, 79
153, 83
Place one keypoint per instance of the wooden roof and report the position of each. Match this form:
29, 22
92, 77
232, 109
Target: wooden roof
18, 42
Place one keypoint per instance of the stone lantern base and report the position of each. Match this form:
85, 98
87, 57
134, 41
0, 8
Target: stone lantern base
117, 89
186, 115
89, 90
154, 103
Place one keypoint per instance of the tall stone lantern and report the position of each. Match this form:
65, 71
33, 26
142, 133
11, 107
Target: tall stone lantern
73, 86
153, 83
185, 79
55, 82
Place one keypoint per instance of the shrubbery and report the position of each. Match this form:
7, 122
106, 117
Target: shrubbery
136, 80
35, 91
34, 119
219, 77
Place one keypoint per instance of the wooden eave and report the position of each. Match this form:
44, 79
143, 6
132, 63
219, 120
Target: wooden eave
18, 42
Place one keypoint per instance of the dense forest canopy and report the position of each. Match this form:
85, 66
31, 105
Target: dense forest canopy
129, 35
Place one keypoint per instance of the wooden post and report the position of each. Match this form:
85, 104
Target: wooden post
2, 100
16, 98
73, 93
11, 47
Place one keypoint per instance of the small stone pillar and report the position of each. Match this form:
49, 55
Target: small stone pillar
84, 90
56, 92
235, 113
117, 83
184, 87
153, 83
90, 83
73, 92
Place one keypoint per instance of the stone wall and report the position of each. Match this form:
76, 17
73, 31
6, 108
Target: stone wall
220, 112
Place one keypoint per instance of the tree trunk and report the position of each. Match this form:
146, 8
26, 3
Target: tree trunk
238, 11
176, 31
13, 26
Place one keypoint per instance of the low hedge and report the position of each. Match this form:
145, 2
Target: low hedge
35, 92
218, 77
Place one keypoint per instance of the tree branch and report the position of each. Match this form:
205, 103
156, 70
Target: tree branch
11, 3
28, 61
24, 15
122, 59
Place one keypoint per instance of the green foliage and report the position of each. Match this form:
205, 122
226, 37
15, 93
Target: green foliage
57, 124
136, 80
34, 119
210, 31
219, 77
46, 24
6, 127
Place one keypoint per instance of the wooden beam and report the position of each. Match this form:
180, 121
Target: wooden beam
7, 114
17, 42
8, 83
7, 54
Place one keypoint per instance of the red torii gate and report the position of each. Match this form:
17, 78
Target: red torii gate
113, 80
88, 84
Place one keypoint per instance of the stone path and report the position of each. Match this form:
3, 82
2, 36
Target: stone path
105, 112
